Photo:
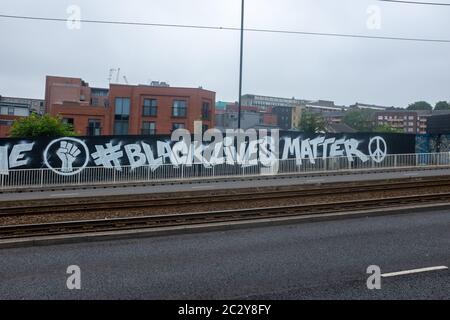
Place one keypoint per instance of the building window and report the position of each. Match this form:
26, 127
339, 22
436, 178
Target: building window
177, 126
6, 122
99, 92
10, 111
122, 116
205, 111
179, 109
94, 127
150, 107
68, 121
148, 128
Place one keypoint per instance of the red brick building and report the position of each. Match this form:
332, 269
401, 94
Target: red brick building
5, 125
128, 109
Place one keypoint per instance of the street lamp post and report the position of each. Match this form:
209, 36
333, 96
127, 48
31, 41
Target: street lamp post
241, 64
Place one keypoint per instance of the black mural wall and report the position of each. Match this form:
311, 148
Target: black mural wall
69, 155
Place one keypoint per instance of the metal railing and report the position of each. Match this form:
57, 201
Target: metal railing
36, 178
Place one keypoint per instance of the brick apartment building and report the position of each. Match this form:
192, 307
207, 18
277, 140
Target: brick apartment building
407, 121
128, 109
13, 108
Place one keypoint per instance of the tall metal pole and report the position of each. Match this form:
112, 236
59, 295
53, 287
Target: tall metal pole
241, 63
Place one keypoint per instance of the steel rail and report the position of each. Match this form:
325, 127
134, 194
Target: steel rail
89, 204
184, 219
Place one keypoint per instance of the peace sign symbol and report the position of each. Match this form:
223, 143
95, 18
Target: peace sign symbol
380, 152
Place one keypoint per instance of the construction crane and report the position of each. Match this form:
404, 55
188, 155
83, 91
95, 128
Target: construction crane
125, 79
111, 72
118, 75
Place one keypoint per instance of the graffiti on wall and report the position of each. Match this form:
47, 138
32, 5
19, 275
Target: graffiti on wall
431, 143
70, 156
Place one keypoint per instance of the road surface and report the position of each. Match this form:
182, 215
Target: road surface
322, 260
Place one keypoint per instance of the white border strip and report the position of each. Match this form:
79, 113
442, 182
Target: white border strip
401, 273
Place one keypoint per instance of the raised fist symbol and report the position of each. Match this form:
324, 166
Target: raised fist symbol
68, 153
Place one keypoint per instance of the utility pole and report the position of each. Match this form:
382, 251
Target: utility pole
241, 64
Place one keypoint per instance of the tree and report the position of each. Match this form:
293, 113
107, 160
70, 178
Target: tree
386, 128
311, 122
360, 120
442, 105
420, 105
36, 126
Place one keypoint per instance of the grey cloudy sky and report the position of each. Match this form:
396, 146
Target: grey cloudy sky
340, 69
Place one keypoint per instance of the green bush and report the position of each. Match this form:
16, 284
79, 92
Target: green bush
36, 126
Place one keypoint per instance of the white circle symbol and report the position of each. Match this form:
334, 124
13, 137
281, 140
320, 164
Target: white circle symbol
78, 169
380, 152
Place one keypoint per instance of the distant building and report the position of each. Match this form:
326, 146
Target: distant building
263, 103
289, 111
251, 117
284, 117
336, 117
370, 107
229, 120
13, 108
322, 106
128, 109
221, 107
270, 120
339, 128
266, 102
408, 121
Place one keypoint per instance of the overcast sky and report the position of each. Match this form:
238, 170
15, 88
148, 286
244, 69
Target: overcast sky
390, 73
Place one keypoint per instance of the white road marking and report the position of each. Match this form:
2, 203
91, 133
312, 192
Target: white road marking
402, 273
64, 195
411, 174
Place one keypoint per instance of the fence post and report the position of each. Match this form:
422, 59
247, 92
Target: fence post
42, 177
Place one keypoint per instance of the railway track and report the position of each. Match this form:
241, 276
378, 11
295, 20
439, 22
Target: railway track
144, 201
172, 220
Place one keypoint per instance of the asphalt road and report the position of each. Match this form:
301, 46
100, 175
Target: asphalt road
322, 260
199, 185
